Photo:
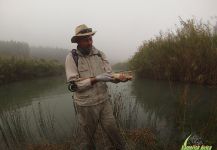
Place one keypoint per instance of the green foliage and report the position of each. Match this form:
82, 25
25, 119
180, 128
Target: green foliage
188, 54
14, 69
16, 62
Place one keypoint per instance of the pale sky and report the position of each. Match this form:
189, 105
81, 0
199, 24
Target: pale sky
121, 25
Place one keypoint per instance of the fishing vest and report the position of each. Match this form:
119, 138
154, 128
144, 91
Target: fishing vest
89, 66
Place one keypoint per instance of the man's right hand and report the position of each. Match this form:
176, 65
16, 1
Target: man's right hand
104, 77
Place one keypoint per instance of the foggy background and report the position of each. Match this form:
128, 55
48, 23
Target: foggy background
121, 25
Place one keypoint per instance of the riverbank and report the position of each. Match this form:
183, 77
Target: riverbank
188, 54
15, 69
137, 139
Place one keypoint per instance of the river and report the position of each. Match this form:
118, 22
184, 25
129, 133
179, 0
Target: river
172, 110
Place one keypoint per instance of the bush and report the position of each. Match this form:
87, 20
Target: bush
189, 54
14, 69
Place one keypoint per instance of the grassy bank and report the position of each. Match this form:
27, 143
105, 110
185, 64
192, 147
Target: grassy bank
14, 69
187, 54
19, 61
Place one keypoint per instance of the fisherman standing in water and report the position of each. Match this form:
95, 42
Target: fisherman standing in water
87, 71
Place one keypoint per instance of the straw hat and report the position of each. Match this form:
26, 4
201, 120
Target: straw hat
82, 30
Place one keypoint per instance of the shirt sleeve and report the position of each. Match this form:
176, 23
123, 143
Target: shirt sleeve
108, 68
72, 74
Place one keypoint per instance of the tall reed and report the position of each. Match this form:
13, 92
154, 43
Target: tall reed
187, 54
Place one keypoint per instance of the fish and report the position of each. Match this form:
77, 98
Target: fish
123, 75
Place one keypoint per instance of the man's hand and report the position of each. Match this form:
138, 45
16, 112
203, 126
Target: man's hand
104, 77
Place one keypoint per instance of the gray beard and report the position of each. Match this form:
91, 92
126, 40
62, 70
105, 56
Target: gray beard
84, 51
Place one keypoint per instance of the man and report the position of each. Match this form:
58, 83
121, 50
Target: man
88, 70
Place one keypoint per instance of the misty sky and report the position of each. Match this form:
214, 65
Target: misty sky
121, 25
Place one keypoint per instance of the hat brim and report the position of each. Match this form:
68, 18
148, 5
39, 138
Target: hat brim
74, 38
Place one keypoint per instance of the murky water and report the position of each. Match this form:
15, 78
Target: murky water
173, 110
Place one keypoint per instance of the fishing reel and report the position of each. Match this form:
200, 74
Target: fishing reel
72, 86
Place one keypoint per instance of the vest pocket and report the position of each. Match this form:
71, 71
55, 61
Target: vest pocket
82, 68
83, 71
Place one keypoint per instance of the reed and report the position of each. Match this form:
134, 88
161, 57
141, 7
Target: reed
42, 131
188, 54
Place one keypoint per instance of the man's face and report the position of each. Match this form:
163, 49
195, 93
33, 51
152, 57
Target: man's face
85, 42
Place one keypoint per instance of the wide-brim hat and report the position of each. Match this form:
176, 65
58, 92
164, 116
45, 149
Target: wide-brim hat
82, 30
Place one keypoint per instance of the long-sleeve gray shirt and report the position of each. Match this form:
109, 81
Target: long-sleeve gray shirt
88, 66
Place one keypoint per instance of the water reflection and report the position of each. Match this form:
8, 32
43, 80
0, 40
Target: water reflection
177, 109
24, 92
173, 110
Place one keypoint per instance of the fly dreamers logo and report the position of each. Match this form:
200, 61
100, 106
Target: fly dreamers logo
194, 147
